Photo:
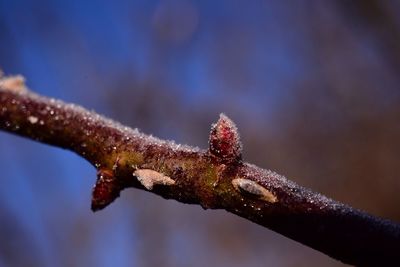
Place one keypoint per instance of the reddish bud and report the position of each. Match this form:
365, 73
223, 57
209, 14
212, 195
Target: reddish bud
105, 191
224, 140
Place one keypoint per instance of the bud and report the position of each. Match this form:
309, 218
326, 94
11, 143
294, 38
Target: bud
224, 141
253, 189
105, 191
148, 178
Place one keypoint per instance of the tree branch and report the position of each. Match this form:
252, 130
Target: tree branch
216, 178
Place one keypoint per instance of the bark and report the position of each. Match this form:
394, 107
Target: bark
216, 178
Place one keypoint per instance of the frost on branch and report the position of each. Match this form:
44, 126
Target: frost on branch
258, 195
224, 142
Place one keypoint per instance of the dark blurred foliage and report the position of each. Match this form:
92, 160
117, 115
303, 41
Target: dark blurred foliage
312, 85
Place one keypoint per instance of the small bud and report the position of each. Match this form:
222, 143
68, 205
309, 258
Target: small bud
148, 178
224, 140
254, 189
105, 191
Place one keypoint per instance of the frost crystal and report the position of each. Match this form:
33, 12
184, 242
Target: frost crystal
224, 140
32, 119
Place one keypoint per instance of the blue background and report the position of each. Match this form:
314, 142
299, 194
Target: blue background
312, 86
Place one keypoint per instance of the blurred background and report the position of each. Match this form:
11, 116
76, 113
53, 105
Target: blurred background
312, 85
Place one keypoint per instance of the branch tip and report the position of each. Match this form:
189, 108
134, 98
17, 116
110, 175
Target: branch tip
224, 141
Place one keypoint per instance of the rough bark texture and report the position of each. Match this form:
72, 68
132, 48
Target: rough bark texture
216, 178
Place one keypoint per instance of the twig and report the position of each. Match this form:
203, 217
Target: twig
216, 178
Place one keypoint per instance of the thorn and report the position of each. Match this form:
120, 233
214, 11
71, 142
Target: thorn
105, 191
148, 178
224, 141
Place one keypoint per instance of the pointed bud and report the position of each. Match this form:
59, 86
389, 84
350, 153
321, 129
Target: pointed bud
148, 178
253, 189
224, 141
105, 191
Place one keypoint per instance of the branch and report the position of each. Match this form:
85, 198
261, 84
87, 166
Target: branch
216, 178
